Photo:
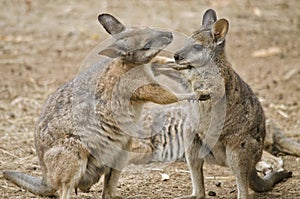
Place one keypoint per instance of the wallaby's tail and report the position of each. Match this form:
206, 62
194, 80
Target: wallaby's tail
262, 184
33, 184
280, 142
285, 144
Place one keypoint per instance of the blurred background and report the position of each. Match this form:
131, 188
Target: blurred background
42, 44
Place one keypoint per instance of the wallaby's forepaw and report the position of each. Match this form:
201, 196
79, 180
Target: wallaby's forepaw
197, 96
188, 97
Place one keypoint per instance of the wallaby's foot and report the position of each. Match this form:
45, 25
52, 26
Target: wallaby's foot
110, 184
191, 197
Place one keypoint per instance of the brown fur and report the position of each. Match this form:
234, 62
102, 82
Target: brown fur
241, 140
148, 147
77, 136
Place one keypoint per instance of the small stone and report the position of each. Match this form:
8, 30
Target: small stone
12, 115
218, 184
165, 177
212, 193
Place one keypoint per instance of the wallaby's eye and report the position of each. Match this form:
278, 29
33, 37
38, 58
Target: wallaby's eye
198, 47
147, 46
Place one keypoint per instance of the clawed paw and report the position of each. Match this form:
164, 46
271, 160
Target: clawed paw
196, 96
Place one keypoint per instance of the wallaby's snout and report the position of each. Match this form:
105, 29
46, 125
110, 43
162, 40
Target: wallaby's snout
181, 60
133, 44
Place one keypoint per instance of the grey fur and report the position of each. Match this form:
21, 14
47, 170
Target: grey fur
77, 136
241, 139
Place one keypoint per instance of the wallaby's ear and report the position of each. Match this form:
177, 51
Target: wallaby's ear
111, 24
219, 30
209, 18
113, 51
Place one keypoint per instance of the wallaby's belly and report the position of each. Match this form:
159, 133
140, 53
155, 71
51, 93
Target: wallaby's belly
166, 141
171, 131
171, 144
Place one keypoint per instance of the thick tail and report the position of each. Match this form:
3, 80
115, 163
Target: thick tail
277, 141
262, 184
33, 184
285, 144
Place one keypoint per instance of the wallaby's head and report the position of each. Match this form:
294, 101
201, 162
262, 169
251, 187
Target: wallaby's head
205, 44
134, 45
196, 59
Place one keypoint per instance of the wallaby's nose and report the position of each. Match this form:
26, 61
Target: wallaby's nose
178, 57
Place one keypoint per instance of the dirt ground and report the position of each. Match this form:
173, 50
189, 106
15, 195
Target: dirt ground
42, 44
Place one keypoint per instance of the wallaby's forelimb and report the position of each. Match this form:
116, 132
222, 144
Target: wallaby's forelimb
154, 93
33, 184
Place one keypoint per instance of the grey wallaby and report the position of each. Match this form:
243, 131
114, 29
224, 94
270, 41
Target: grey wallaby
179, 132
241, 138
77, 137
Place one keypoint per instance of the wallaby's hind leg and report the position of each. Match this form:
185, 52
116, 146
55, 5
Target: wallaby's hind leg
91, 176
196, 168
65, 192
65, 165
110, 184
240, 165
197, 178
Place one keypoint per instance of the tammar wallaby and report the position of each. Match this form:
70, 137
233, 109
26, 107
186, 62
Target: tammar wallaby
241, 138
77, 138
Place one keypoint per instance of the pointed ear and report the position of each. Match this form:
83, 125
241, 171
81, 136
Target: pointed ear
113, 52
111, 24
219, 30
209, 18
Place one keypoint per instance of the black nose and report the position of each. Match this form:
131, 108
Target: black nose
178, 57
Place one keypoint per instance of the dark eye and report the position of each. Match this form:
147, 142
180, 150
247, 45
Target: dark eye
198, 47
147, 46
